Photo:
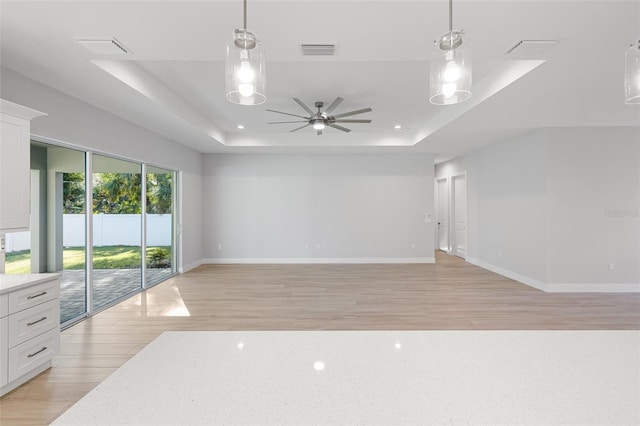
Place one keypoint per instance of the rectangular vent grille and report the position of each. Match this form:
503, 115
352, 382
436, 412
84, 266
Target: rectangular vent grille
530, 48
105, 46
318, 49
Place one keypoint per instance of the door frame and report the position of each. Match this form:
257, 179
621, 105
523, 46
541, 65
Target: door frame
453, 244
437, 209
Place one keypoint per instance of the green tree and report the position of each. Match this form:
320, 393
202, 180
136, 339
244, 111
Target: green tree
73, 193
117, 193
159, 193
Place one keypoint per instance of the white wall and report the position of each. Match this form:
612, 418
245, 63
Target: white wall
506, 205
542, 200
594, 198
75, 122
338, 208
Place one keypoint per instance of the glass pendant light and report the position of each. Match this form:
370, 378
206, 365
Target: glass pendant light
245, 67
632, 75
450, 67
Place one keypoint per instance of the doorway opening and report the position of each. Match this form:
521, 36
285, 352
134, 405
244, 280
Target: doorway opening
442, 203
459, 215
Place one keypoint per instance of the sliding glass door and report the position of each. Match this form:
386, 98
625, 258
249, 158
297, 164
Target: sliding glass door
117, 229
107, 225
160, 258
66, 228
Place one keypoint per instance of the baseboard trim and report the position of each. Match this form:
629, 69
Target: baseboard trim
307, 260
558, 287
531, 282
190, 266
593, 288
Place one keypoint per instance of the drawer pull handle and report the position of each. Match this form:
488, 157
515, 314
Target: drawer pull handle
44, 348
35, 322
37, 295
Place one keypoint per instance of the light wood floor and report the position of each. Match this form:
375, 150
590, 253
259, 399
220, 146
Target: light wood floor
450, 295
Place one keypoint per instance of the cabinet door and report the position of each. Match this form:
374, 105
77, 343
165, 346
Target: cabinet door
14, 173
4, 350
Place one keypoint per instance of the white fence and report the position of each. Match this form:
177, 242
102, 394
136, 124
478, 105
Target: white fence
17, 241
108, 230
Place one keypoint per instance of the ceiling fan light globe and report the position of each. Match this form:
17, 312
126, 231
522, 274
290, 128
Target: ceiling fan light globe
319, 125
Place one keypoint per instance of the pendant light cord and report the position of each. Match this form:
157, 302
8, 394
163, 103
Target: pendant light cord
450, 16
245, 14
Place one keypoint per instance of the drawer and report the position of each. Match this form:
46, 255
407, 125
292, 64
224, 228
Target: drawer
33, 295
4, 305
32, 353
27, 324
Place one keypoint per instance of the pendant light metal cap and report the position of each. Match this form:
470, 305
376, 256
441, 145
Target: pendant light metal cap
451, 40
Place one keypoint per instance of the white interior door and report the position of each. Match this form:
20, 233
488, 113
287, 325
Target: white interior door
460, 215
443, 215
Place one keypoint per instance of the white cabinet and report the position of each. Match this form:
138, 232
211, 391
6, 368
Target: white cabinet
15, 129
29, 326
4, 351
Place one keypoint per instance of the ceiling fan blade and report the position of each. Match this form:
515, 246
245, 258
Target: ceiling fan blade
319, 133
304, 107
333, 105
335, 126
359, 111
352, 121
294, 130
287, 113
283, 122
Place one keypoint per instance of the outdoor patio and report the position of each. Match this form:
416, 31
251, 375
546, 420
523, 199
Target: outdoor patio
108, 285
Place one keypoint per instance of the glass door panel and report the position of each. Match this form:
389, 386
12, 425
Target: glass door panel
59, 242
160, 262
117, 224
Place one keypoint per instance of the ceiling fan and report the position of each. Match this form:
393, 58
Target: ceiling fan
321, 119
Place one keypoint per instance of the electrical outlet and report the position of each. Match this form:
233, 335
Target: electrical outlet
318, 246
306, 246
413, 245
427, 218
219, 246
499, 253
611, 266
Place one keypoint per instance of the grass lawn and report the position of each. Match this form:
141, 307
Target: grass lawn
18, 262
107, 257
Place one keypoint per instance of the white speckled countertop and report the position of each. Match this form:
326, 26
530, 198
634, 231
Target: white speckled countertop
11, 282
372, 378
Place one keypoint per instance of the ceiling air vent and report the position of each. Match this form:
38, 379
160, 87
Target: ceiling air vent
318, 49
530, 48
104, 46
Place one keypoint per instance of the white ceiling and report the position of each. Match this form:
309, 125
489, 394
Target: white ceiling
173, 83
